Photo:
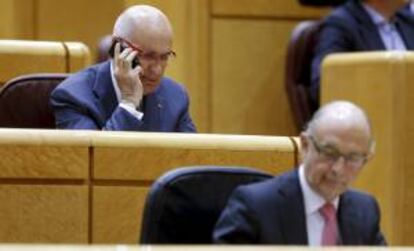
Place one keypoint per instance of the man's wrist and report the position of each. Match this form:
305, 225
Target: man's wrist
128, 103
131, 108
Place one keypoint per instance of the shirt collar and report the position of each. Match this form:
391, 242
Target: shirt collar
312, 200
115, 83
376, 17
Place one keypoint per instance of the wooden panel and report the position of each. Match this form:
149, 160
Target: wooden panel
23, 57
269, 8
43, 162
43, 213
117, 213
79, 56
148, 164
145, 156
76, 20
43, 154
406, 136
380, 83
248, 93
17, 19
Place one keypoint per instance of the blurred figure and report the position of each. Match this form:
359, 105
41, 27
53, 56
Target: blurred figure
311, 205
406, 15
369, 25
102, 52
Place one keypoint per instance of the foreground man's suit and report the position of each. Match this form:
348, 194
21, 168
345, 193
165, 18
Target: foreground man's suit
272, 212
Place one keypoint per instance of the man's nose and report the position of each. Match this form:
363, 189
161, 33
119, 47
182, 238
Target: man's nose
156, 68
339, 165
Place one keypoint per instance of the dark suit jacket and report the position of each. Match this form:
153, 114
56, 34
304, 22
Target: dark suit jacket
273, 212
87, 100
349, 28
405, 20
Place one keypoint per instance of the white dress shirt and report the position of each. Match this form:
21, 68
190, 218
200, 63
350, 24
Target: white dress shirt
412, 7
128, 106
313, 202
387, 30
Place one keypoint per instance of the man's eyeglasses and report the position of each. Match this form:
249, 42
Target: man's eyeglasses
331, 155
147, 57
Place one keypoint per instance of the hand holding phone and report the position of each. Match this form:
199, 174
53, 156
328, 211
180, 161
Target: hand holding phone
127, 75
135, 61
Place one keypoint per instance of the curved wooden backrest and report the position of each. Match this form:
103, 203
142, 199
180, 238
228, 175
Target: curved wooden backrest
19, 57
382, 83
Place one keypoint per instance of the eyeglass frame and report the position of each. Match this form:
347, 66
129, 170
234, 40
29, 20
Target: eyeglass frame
333, 157
149, 56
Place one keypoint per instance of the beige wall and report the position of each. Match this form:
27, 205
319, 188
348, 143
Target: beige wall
230, 54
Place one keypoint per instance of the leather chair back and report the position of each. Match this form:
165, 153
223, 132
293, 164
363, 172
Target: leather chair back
298, 71
184, 204
24, 101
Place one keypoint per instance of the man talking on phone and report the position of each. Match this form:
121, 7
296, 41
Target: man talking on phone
128, 92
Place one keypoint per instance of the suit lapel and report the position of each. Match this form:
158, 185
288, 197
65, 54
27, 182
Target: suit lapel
367, 30
106, 100
294, 221
405, 24
153, 110
348, 220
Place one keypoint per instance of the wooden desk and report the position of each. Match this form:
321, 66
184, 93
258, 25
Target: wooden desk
67, 186
125, 165
382, 83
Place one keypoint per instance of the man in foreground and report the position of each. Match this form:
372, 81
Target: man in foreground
313, 204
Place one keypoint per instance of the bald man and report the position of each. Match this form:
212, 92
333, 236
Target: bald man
313, 204
128, 92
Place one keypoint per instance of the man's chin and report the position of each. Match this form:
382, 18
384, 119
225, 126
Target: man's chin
150, 88
330, 191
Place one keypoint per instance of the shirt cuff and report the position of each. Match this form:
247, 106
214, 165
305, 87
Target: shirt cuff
129, 107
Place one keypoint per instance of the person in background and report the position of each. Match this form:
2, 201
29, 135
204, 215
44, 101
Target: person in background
102, 50
128, 92
361, 25
406, 15
313, 204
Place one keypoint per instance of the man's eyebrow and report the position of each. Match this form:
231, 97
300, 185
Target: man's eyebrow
329, 145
